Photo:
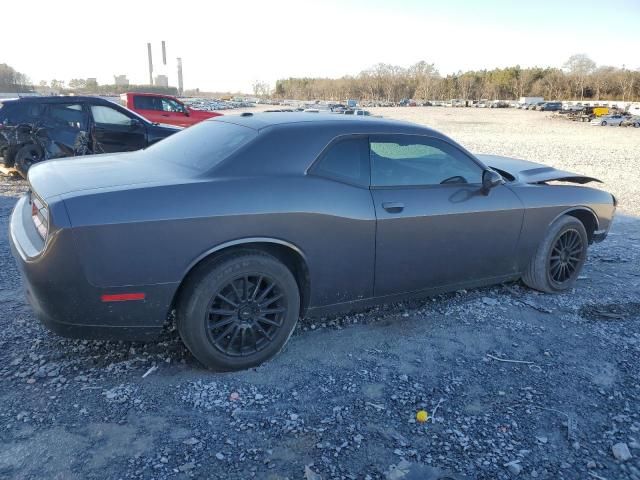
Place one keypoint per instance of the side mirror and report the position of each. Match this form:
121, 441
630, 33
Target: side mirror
490, 179
186, 111
135, 123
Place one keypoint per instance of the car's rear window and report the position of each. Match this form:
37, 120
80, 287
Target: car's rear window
202, 146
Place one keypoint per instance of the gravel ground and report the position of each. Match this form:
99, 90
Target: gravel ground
340, 400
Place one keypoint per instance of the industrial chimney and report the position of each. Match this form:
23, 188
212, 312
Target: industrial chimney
150, 64
180, 90
164, 53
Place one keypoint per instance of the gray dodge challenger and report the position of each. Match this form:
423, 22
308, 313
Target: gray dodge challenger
243, 224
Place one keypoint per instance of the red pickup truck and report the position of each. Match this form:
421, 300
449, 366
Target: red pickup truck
164, 109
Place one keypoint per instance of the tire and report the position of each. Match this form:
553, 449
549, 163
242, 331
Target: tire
27, 156
603, 123
543, 272
222, 317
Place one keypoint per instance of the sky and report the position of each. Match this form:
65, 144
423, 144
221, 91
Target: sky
228, 45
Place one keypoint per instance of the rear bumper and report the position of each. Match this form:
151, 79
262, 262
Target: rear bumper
66, 303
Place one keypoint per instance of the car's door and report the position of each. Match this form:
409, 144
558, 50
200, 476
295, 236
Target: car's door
66, 128
115, 131
435, 227
175, 113
150, 107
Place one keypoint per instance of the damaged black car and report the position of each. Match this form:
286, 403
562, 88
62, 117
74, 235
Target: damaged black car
33, 129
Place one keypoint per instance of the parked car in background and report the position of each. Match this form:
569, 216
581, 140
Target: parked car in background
608, 120
243, 224
551, 107
631, 122
164, 109
33, 129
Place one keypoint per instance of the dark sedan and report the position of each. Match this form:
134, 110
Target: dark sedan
243, 224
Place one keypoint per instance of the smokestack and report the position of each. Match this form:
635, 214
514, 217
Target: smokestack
150, 64
164, 53
180, 90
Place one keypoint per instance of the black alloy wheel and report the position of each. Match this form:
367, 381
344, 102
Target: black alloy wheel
565, 258
245, 315
238, 310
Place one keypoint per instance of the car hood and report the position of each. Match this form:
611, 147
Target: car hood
531, 172
91, 172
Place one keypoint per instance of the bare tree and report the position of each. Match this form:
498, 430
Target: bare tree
580, 66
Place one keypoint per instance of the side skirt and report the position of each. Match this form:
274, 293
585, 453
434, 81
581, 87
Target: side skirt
365, 303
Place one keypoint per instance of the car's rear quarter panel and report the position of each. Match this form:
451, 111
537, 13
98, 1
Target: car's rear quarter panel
155, 234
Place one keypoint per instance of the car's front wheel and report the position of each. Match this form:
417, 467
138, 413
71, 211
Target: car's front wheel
239, 311
560, 256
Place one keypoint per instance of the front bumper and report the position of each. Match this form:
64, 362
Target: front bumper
65, 302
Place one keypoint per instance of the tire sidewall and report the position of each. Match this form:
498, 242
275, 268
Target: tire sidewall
193, 311
563, 225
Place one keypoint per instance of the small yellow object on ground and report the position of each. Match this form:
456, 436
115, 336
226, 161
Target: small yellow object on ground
422, 416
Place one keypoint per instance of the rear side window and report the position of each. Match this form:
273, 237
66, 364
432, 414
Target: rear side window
141, 102
69, 115
346, 160
202, 146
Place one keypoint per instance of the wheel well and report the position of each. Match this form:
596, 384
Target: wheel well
588, 219
292, 259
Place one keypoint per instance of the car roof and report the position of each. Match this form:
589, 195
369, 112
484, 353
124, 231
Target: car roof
61, 99
259, 121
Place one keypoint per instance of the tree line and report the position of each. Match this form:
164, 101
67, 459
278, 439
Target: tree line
579, 79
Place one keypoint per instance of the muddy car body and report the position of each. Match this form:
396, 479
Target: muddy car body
245, 223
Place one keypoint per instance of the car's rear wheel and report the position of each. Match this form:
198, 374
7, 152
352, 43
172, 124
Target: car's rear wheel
27, 156
238, 311
603, 123
559, 259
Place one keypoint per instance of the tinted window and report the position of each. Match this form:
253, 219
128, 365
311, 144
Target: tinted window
420, 161
204, 145
109, 116
141, 102
68, 115
346, 160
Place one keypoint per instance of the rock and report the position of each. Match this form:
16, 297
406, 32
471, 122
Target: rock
309, 474
187, 466
191, 441
294, 417
258, 396
220, 456
514, 467
591, 465
404, 378
489, 301
621, 452
542, 439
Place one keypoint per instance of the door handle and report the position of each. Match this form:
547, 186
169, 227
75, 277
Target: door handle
165, 114
393, 207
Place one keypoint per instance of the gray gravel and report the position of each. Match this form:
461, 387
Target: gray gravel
340, 400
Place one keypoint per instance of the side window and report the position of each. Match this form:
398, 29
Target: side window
346, 160
142, 102
420, 161
109, 116
169, 105
68, 115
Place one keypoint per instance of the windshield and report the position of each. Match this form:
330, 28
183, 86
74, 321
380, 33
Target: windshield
202, 146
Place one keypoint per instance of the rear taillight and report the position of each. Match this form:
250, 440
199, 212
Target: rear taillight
40, 216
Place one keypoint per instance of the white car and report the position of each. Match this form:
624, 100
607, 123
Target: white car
608, 120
